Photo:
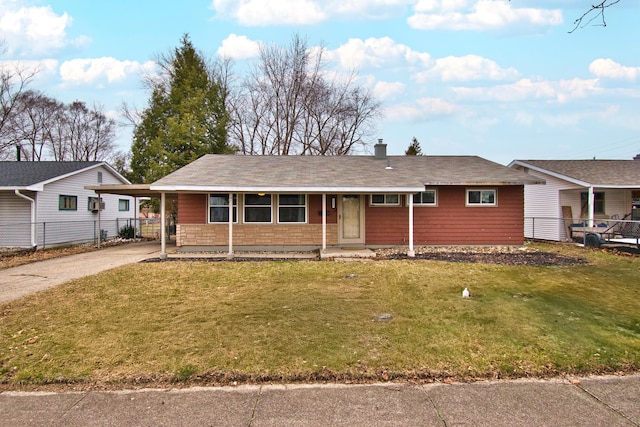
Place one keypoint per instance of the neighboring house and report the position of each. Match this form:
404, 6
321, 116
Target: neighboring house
577, 190
47, 202
311, 202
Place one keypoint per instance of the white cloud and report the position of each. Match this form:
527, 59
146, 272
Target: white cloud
39, 67
378, 53
83, 71
610, 69
385, 90
479, 15
238, 47
436, 106
524, 89
34, 30
305, 12
465, 68
271, 12
423, 109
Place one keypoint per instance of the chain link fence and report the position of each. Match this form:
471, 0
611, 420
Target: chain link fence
52, 233
611, 230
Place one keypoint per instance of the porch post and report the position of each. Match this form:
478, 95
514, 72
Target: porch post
230, 254
411, 253
324, 222
163, 228
591, 206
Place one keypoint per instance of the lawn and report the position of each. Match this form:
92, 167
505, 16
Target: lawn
224, 322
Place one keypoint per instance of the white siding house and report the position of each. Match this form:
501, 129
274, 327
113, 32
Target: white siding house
46, 203
575, 191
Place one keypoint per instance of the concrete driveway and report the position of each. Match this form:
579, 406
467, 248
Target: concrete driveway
26, 279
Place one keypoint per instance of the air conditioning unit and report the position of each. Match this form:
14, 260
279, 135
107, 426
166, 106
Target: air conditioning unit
94, 206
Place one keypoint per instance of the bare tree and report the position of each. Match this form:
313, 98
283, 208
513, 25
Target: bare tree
290, 105
90, 133
31, 122
14, 80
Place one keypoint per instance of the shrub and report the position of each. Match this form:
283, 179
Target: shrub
127, 232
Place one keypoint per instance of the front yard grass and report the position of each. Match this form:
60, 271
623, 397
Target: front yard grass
225, 322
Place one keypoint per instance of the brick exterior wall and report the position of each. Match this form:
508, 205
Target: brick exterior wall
255, 235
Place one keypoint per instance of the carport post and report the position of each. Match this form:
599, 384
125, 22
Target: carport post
411, 253
163, 231
99, 226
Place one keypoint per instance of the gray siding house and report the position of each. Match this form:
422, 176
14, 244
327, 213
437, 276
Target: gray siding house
47, 203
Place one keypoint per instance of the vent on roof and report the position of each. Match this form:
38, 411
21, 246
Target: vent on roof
380, 150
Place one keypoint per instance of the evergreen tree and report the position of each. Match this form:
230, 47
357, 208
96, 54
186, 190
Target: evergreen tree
186, 117
414, 148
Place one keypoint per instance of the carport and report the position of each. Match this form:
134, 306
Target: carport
138, 191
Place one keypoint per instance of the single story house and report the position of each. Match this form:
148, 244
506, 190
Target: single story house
575, 191
228, 202
46, 203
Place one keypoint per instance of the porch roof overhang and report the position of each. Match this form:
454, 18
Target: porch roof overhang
133, 190
620, 174
282, 189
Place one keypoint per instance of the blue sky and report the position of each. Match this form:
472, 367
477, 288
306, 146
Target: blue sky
500, 79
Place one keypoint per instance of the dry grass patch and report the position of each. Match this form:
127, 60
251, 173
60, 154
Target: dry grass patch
297, 321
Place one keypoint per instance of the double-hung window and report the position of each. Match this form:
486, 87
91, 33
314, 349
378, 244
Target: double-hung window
425, 198
482, 197
219, 208
292, 208
385, 200
257, 208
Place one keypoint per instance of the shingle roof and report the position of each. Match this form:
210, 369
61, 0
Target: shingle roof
317, 173
24, 174
595, 172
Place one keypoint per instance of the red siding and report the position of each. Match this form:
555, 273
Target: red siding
451, 222
315, 209
192, 208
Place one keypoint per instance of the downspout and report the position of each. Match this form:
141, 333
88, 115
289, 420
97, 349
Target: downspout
33, 216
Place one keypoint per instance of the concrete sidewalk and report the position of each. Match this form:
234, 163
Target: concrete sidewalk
597, 401
26, 279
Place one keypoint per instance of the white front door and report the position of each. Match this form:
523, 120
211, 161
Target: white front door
351, 219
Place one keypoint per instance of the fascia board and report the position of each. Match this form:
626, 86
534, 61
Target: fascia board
250, 189
34, 187
553, 174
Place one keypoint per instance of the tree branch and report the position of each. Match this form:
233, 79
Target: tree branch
596, 12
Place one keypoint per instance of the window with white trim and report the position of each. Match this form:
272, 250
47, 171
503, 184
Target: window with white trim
257, 208
292, 208
219, 208
385, 200
425, 198
482, 197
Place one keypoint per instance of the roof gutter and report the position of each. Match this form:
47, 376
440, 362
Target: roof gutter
33, 215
